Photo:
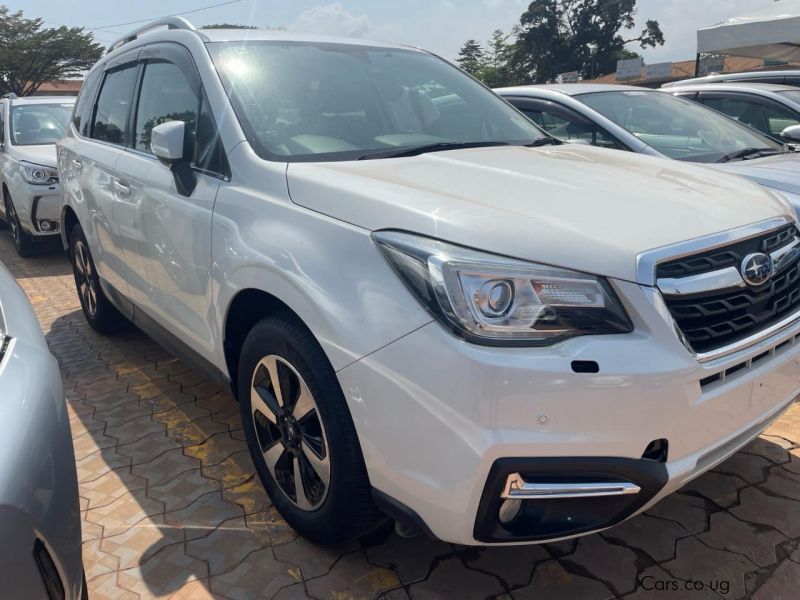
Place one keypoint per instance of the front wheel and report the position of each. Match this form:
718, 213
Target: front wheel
23, 243
300, 434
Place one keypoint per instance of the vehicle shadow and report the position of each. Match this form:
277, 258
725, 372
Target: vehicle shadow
169, 497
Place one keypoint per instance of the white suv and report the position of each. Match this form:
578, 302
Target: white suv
31, 196
426, 306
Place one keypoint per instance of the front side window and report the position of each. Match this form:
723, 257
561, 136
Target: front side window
165, 96
39, 124
679, 128
322, 101
113, 106
567, 125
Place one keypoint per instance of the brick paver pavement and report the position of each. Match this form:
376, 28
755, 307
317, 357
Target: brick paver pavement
171, 507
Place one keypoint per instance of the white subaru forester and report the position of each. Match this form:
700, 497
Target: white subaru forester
426, 307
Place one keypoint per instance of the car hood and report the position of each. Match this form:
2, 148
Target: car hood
780, 172
44, 155
572, 206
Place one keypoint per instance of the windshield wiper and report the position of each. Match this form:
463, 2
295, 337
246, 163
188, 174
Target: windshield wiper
748, 153
436, 147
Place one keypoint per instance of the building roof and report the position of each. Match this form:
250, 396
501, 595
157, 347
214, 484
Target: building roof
686, 69
70, 86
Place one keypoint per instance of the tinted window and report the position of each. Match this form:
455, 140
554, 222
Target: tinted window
676, 127
208, 153
765, 116
82, 116
39, 124
165, 96
567, 125
2, 124
113, 106
304, 101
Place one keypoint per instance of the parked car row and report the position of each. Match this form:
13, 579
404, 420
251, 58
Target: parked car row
427, 305
659, 124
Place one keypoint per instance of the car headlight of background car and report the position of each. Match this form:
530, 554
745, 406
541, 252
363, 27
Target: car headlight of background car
38, 174
493, 300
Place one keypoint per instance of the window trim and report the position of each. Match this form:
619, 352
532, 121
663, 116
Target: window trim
182, 59
117, 67
737, 95
569, 110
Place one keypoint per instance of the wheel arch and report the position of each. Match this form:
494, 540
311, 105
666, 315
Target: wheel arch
69, 219
245, 310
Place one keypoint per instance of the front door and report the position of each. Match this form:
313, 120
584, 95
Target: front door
171, 259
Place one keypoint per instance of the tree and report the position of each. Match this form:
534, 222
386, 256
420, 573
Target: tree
471, 57
31, 55
495, 72
557, 36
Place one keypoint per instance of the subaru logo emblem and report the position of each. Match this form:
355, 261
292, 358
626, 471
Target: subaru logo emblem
757, 269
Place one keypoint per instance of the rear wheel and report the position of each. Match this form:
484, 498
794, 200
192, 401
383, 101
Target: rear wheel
23, 242
97, 308
300, 434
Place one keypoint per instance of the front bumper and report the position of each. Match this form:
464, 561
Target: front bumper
38, 208
435, 415
39, 509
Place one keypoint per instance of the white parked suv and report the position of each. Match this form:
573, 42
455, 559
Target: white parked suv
431, 310
31, 196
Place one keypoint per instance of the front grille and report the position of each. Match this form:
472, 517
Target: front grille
711, 320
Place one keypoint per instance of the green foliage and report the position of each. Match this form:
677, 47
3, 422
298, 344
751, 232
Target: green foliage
489, 64
31, 55
559, 36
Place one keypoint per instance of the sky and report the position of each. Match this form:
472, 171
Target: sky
437, 25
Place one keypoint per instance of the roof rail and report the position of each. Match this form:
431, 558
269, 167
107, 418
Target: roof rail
168, 22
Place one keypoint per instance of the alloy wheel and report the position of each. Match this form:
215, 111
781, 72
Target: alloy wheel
13, 223
290, 432
84, 278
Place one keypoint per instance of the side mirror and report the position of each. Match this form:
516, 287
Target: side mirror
791, 134
168, 143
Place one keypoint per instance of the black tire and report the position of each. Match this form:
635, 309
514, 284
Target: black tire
23, 243
342, 510
97, 308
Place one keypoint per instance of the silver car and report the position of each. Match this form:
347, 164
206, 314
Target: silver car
40, 530
774, 110
659, 124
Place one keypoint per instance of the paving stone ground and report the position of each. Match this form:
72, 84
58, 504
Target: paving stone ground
171, 507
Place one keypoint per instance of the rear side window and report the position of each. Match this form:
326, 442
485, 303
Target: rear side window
82, 116
165, 96
113, 106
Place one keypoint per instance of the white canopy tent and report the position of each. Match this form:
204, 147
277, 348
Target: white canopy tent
772, 33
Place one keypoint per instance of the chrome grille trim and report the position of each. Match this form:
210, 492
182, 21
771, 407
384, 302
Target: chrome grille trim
647, 261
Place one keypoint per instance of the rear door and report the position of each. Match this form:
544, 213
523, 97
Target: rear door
171, 259
89, 164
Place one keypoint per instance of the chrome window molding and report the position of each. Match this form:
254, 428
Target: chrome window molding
647, 261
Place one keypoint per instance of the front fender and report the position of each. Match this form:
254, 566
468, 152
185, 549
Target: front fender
328, 272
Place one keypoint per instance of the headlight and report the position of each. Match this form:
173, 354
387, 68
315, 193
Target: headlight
498, 301
38, 174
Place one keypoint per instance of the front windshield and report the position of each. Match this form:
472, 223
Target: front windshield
39, 124
323, 101
678, 128
793, 95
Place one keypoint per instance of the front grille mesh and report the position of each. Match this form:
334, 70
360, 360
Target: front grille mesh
712, 320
